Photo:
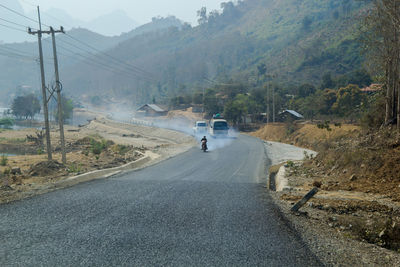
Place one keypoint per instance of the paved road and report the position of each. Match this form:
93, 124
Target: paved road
198, 209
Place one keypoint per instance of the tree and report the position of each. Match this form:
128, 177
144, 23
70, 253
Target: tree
327, 81
348, 99
382, 28
236, 109
202, 14
306, 90
25, 106
67, 109
211, 105
325, 100
262, 69
306, 22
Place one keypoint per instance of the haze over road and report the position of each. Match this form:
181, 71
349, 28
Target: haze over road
195, 209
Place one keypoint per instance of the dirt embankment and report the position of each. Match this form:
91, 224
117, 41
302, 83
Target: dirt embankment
101, 144
358, 173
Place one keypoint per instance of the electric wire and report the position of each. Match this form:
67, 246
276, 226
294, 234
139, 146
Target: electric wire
16, 55
22, 15
17, 24
136, 71
90, 61
12, 28
95, 57
111, 57
16, 12
15, 50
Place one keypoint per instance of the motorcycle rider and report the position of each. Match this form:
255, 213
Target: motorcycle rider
204, 142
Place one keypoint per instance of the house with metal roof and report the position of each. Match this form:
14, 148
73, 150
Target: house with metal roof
289, 114
151, 110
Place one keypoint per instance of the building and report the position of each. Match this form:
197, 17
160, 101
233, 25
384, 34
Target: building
372, 89
151, 110
289, 115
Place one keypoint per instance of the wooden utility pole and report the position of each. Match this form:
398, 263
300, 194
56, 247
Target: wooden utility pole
268, 103
45, 101
58, 90
273, 103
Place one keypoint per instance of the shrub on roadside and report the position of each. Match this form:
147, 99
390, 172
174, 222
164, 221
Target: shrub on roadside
3, 160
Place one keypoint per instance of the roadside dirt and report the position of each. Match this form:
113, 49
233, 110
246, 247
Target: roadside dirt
100, 144
359, 178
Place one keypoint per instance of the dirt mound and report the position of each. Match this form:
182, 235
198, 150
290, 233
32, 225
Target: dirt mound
46, 168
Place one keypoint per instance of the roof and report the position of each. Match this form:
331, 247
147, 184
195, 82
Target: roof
375, 87
153, 107
294, 113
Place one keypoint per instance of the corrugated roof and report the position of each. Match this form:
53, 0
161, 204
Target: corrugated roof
294, 113
154, 107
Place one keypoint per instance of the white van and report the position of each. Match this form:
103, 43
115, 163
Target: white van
218, 128
200, 127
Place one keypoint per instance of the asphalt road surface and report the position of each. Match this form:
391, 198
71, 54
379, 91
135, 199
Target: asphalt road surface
197, 209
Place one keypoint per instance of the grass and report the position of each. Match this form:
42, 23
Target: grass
13, 140
75, 168
121, 149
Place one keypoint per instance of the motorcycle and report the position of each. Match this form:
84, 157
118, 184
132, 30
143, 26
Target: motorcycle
204, 145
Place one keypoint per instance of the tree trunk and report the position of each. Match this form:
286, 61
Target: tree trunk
388, 115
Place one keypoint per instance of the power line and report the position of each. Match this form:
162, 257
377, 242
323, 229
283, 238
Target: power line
16, 12
94, 63
16, 55
12, 28
111, 57
14, 50
103, 62
22, 15
14, 23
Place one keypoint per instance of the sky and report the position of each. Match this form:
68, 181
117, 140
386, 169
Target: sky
139, 10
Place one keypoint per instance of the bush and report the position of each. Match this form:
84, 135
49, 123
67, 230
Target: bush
6, 122
99, 146
3, 160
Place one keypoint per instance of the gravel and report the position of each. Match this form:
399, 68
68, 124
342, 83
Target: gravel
332, 246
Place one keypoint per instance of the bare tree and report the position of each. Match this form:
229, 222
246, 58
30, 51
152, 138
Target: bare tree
382, 25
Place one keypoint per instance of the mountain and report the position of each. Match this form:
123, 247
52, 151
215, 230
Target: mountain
20, 68
8, 35
298, 41
112, 24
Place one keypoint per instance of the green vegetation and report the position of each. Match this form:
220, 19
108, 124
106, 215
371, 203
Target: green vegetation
98, 146
25, 106
248, 42
68, 107
6, 122
75, 168
3, 160
121, 149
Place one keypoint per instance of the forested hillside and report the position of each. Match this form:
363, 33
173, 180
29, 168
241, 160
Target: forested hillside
298, 41
291, 42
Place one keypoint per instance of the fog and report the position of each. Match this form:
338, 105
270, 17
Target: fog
181, 124
139, 10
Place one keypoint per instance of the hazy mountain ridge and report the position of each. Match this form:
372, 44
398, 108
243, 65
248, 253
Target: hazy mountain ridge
298, 41
17, 72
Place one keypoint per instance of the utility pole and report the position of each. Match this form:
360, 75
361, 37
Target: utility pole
45, 108
273, 103
58, 89
267, 103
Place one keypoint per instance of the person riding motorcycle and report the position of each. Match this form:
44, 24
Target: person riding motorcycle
204, 143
